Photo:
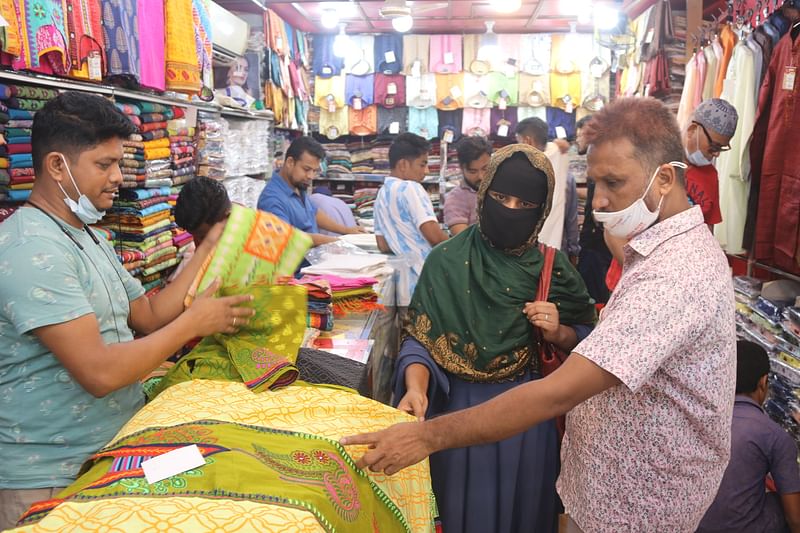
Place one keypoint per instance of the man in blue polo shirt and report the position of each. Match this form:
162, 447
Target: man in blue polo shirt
285, 194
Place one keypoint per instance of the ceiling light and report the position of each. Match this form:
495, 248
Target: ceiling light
506, 6
403, 23
489, 48
329, 18
606, 18
341, 43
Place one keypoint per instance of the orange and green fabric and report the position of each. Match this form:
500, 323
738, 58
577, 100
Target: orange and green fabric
242, 462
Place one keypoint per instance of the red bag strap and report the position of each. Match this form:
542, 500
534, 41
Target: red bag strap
547, 272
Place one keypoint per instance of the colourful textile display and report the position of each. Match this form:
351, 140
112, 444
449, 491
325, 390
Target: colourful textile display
151, 44
121, 37
85, 35
43, 46
183, 70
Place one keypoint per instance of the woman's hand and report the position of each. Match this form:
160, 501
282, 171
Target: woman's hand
415, 403
209, 315
544, 315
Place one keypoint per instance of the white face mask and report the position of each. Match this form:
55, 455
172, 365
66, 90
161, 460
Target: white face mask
84, 209
635, 218
697, 158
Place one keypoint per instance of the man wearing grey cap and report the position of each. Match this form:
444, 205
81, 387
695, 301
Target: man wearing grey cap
707, 135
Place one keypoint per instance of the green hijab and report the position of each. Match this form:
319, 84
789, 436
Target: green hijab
467, 307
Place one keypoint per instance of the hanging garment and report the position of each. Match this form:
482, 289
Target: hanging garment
712, 68
183, 71
42, 32
85, 35
9, 34
276, 33
702, 73
727, 39
416, 53
773, 214
121, 37
202, 35
687, 105
445, 54
151, 44
733, 166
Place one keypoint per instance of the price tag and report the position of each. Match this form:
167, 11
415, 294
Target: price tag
448, 136
95, 62
331, 103
561, 133
279, 43
447, 100
424, 132
416, 69
537, 86
512, 62
394, 128
789, 74
327, 71
502, 130
502, 104
391, 88
448, 58
172, 463
390, 57
570, 108
455, 92
649, 38
357, 105
389, 101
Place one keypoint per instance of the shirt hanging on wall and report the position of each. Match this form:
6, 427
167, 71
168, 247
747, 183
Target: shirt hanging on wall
535, 54
360, 55
416, 52
389, 53
450, 121
476, 122
503, 123
449, 91
359, 90
333, 125
392, 121
559, 118
527, 112
363, 122
472, 43
507, 61
446, 54
329, 92
534, 91
421, 92
390, 90
503, 90
424, 122
325, 63
476, 91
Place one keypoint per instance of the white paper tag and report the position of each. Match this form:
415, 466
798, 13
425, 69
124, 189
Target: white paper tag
502, 104
509, 70
327, 71
95, 63
394, 128
650, 35
789, 74
502, 130
391, 88
569, 109
390, 57
331, 106
448, 136
561, 133
357, 103
448, 58
416, 69
172, 463
455, 91
537, 86
279, 43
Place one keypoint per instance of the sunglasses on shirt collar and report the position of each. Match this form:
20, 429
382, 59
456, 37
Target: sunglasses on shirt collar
712, 146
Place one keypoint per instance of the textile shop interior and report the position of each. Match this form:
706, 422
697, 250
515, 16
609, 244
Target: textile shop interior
318, 266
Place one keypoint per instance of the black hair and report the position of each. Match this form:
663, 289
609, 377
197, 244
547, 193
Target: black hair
201, 201
303, 145
582, 122
535, 128
752, 364
407, 146
74, 122
471, 149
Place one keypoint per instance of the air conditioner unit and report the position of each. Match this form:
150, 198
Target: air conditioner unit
223, 57
230, 33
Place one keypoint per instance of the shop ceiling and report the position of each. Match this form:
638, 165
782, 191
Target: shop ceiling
430, 16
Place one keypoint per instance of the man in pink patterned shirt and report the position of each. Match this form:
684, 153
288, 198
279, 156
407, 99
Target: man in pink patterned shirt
650, 391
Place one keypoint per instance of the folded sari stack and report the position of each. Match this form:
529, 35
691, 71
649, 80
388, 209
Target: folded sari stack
18, 106
183, 242
132, 164
141, 219
320, 302
183, 149
350, 295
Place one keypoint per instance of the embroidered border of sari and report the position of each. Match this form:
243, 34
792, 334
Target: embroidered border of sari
243, 462
85, 35
183, 70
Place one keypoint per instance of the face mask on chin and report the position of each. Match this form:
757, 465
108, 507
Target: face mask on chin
84, 209
506, 228
635, 218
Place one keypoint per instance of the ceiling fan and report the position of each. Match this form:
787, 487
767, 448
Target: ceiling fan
392, 9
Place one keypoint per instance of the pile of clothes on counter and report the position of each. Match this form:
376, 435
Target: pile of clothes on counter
768, 313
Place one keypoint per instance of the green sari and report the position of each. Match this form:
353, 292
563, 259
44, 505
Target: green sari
467, 310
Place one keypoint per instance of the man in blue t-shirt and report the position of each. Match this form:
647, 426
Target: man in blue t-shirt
69, 364
759, 448
285, 194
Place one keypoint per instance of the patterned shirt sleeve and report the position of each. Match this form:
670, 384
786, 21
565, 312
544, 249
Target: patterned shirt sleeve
43, 286
652, 319
419, 204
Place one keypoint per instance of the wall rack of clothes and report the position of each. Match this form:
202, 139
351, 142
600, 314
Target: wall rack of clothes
286, 73
154, 44
446, 86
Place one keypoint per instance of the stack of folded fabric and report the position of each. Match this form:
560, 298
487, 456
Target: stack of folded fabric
142, 221
380, 153
132, 164
364, 200
20, 104
183, 242
157, 163
182, 148
320, 302
362, 158
349, 295
211, 147
338, 158
5, 176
